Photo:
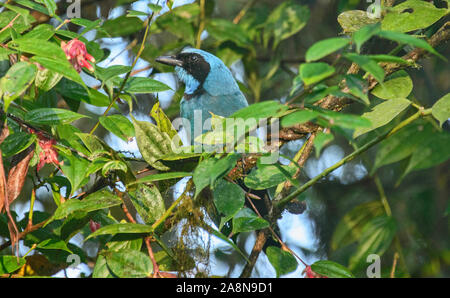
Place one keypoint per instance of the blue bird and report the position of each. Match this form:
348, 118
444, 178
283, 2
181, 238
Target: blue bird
210, 86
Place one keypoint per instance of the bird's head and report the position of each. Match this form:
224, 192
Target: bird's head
201, 71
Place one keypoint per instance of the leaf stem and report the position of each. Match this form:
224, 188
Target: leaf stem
122, 86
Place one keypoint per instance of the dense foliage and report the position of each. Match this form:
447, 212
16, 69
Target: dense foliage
336, 75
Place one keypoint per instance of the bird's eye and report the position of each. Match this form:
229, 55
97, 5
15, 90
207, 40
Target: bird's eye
194, 58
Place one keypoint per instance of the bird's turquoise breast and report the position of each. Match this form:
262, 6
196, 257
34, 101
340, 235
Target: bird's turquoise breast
221, 105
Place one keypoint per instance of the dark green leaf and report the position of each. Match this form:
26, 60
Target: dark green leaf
283, 262
229, 198
121, 228
18, 78
267, 176
246, 221
9, 264
331, 269
376, 237
321, 140
96, 201
16, 143
52, 116
364, 34
368, 65
350, 226
298, 117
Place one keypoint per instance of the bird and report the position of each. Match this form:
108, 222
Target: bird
210, 87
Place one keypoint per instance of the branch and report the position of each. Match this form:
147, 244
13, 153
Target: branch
281, 203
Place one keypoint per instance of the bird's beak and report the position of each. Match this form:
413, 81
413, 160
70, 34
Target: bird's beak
169, 60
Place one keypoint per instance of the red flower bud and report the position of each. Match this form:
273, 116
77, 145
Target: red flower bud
94, 226
311, 274
77, 54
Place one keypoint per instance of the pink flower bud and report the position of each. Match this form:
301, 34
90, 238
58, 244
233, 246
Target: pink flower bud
77, 54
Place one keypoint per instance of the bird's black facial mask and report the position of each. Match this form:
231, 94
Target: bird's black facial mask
194, 64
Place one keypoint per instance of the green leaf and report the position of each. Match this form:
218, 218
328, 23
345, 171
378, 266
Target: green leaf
153, 144
42, 31
312, 73
50, 56
54, 243
353, 20
74, 168
321, 140
128, 263
144, 85
114, 165
398, 85
298, 117
357, 87
101, 268
106, 74
229, 198
382, 114
51, 116
9, 264
325, 47
261, 110
46, 79
287, 19
267, 176
202, 174
96, 201
390, 59
135, 13
51, 6
432, 151
121, 26
368, 65
224, 30
121, 228
350, 227
148, 203
222, 167
246, 221
156, 8
162, 176
16, 143
162, 121
402, 144
364, 34
402, 38
74, 91
118, 125
412, 15
18, 78
331, 269
283, 262
344, 120
441, 109
59, 66
376, 237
